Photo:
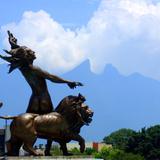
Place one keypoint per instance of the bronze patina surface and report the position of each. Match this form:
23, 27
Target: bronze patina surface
22, 57
61, 126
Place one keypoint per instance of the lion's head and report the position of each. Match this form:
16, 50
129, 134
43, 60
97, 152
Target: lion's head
19, 55
75, 111
86, 113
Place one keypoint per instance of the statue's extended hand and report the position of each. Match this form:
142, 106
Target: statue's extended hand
12, 40
73, 85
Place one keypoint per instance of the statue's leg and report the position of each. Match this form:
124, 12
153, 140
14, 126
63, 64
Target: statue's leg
28, 146
9, 148
64, 149
13, 146
78, 138
48, 147
17, 147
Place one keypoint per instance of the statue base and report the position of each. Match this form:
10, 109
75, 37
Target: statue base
48, 158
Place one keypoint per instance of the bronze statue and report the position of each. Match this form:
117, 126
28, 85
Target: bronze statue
61, 126
22, 57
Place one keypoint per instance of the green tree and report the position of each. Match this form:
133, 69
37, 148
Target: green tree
146, 143
119, 138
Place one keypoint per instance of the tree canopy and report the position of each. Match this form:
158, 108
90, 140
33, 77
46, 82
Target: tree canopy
145, 142
119, 138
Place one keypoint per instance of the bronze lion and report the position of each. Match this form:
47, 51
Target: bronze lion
61, 126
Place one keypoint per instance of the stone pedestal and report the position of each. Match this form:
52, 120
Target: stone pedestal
48, 158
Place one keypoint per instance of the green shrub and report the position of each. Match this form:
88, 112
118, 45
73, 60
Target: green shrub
56, 151
116, 154
90, 151
75, 151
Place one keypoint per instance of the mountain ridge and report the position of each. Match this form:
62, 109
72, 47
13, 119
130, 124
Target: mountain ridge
118, 101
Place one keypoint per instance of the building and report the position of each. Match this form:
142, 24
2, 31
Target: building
95, 145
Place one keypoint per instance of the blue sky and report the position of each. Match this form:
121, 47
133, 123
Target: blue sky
71, 14
124, 33
68, 13
76, 12
65, 33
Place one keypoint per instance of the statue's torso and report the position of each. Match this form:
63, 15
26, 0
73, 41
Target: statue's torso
36, 82
40, 101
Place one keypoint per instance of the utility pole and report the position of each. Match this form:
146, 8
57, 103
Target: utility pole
5, 137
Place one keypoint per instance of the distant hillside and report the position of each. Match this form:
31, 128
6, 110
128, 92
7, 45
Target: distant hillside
118, 101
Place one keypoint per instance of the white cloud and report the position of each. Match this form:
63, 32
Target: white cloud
57, 49
125, 33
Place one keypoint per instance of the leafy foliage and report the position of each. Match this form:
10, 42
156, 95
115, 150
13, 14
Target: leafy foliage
119, 138
75, 151
116, 154
146, 142
90, 151
56, 151
106, 153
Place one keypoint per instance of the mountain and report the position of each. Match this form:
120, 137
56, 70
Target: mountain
118, 101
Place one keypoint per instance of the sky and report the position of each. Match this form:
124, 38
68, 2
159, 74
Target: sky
60, 14
124, 33
65, 33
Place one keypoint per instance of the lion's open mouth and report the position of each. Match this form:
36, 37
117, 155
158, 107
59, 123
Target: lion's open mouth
89, 118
